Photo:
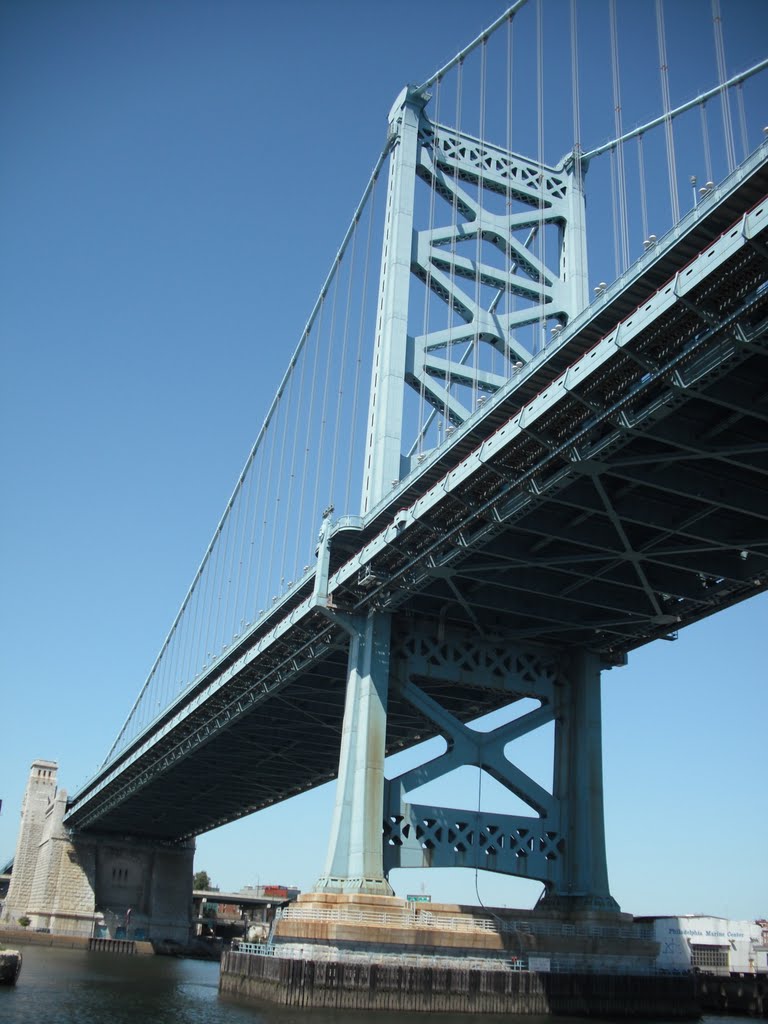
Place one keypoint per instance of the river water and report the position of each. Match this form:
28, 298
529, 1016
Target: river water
64, 986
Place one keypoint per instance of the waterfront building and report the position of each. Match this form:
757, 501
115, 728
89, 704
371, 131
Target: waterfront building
711, 945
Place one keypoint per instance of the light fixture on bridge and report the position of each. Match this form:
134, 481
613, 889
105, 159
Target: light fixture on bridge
600, 288
649, 242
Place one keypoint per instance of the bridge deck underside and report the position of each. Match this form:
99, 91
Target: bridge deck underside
622, 538
285, 746
635, 506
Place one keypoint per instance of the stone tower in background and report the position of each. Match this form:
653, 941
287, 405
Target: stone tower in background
38, 801
92, 885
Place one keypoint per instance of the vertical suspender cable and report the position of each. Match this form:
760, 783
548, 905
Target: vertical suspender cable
479, 228
221, 558
330, 363
576, 96
320, 462
643, 196
426, 321
190, 665
578, 168
615, 213
541, 340
344, 369
360, 336
262, 581
215, 596
248, 517
742, 120
301, 469
228, 629
309, 533
251, 580
705, 141
511, 265
454, 245
288, 519
204, 583
280, 507
664, 74
621, 181
717, 24
216, 592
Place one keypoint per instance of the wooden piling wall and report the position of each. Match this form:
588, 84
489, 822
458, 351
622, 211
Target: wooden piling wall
371, 986
745, 994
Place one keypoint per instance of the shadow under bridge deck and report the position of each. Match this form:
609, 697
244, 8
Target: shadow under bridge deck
611, 495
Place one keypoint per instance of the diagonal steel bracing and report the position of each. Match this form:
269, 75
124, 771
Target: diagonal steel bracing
486, 306
562, 843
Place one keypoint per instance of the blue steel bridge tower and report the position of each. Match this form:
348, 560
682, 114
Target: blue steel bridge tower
562, 841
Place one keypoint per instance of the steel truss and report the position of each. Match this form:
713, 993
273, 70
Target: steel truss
563, 845
611, 495
444, 365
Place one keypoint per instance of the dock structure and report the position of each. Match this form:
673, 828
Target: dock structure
382, 986
377, 952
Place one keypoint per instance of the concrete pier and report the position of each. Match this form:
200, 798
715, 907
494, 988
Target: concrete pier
323, 925
360, 951
385, 986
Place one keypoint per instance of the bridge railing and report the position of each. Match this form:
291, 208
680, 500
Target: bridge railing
330, 954
460, 922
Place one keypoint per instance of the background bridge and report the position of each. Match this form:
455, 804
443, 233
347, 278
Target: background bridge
312, 684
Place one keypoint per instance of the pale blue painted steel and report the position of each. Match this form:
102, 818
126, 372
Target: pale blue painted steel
434, 363
355, 858
563, 843
444, 158
704, 266
382, 457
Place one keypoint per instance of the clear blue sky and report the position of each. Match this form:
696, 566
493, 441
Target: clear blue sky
175, 180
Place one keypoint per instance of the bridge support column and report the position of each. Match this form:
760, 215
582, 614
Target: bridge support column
578, 787
355, 862
562, 841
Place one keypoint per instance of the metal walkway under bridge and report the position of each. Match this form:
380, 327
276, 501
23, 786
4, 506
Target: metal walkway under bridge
609, 495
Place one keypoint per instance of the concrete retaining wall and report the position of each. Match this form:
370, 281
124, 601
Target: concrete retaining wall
23, 937
370, 986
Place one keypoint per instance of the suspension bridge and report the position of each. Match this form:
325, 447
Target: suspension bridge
549, 471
